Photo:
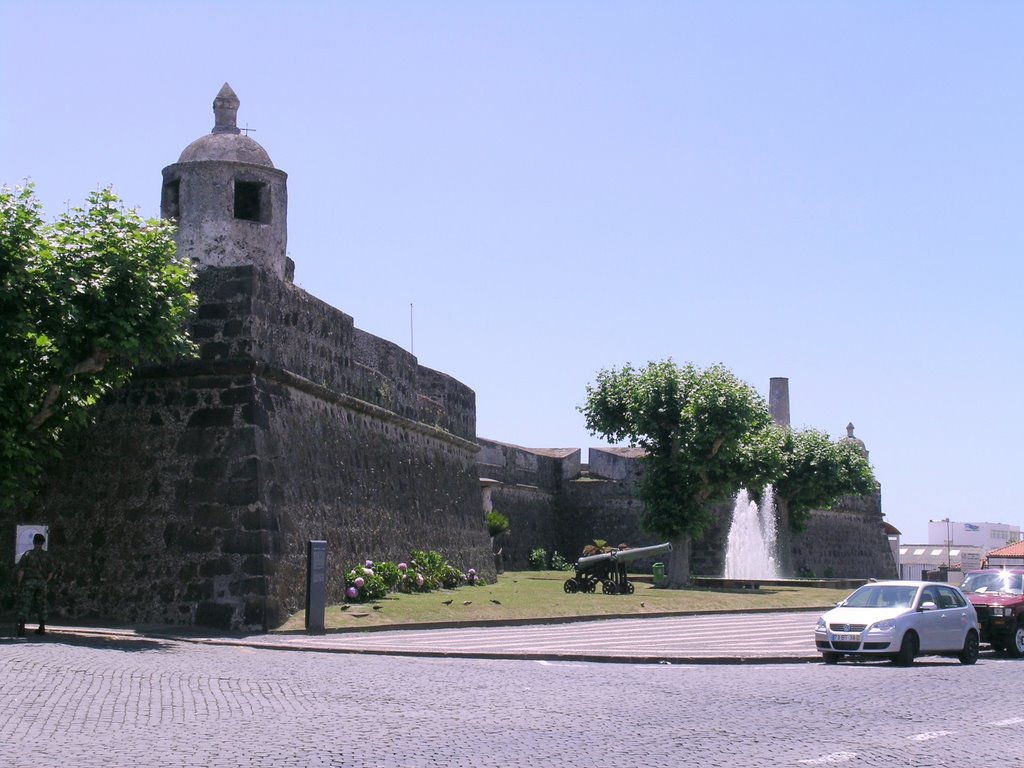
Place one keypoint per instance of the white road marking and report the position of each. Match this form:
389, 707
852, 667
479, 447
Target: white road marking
1011, 721
931, 735
835, 757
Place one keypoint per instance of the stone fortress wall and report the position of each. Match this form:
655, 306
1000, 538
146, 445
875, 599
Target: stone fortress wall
193, 496
555, 502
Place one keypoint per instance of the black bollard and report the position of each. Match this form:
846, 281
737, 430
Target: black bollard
316, 586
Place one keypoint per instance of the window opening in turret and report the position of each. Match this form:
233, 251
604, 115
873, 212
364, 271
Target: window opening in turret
170, 202
251, 201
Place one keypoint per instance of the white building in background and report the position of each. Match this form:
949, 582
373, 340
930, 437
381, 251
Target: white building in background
917, 560
986, 536
953, 547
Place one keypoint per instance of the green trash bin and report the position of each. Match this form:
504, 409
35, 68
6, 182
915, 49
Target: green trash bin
659, 573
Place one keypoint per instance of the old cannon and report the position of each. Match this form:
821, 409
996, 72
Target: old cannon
609, 570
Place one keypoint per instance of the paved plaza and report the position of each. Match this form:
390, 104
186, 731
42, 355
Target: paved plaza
84, 700
707, 638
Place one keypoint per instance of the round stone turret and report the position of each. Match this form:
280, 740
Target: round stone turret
230, 203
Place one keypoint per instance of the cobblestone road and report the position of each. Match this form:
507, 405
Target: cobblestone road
77, 702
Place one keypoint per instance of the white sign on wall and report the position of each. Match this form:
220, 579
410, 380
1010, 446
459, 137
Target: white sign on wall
23, 539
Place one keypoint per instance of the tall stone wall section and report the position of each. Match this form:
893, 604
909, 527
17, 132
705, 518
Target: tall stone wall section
557, 503
528, 494
846, 541
192, 497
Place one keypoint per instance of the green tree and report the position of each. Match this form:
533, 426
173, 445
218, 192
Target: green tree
815, 472
83, 301
706, 434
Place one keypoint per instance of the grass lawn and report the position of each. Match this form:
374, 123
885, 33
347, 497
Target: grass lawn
523, 595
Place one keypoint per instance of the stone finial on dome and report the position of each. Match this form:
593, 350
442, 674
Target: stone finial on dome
855, 441
225, 111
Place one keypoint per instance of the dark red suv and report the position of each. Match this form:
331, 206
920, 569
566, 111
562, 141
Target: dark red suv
998, 598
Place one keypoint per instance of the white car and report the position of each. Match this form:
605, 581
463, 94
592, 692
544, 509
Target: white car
900, 620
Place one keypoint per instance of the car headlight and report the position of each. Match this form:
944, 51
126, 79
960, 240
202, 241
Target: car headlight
820, 624
885, 625
997, 610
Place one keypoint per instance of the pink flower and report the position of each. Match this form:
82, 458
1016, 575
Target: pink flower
359, 582
352, 592
367, 571
419, 580
402, 566
471, 572
369, 564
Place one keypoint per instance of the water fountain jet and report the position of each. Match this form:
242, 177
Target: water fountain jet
751, 551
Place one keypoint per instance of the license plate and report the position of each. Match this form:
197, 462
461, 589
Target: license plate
846, 637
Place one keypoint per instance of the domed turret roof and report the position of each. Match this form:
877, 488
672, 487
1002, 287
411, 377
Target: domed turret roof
226, 142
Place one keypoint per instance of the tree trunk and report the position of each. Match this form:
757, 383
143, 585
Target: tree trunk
783, 539
677, 566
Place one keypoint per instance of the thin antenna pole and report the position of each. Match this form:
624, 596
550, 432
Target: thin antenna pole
412, 338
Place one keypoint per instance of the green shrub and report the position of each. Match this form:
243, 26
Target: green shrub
496, 522
389, 573
559, 563
538, 559
435, 570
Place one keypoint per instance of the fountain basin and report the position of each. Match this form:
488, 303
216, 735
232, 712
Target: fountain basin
719, 582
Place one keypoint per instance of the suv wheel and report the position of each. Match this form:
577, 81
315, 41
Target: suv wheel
1015, 643
969, 654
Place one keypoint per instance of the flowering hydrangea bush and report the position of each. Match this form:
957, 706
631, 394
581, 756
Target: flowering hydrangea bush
389, 573
410, 580
363, 584
425, 571
436, 571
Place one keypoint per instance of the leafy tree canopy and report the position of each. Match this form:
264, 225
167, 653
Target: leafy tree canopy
816, 472
707, 434
83, 301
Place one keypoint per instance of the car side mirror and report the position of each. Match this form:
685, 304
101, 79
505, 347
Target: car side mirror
928, 605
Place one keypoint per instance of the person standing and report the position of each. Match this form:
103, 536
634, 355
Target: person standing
35, 569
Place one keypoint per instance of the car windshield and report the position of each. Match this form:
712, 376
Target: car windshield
994, 582
882, 596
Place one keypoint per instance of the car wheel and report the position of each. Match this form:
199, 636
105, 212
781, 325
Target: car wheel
830, 658
969, 654
908, 650
1015, 643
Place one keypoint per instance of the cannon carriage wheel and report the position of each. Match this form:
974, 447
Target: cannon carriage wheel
571, 586
608, 587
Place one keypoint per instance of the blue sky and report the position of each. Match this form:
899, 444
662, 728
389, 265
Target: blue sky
825, 191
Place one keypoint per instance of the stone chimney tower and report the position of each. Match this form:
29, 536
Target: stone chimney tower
778, 401
230, 203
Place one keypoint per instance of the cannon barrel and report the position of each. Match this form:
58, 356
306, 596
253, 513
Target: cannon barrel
629, 555
590, 560
624, 555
